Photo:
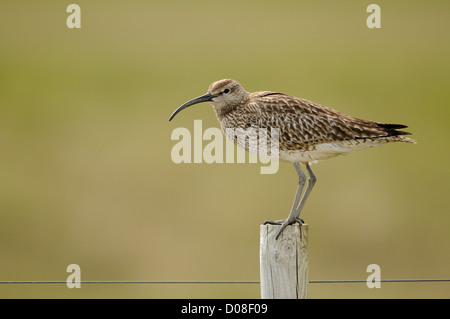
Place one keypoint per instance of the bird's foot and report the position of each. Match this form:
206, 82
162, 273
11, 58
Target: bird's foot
274, 222
284, 223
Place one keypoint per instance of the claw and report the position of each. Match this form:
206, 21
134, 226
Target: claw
281, 229
274, 222
283, 223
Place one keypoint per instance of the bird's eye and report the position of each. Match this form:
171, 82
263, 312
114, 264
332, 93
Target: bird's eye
226, 91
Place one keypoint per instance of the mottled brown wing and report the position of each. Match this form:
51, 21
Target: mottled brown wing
302, 122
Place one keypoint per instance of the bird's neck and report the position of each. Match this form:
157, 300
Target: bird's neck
222, 111
225, 110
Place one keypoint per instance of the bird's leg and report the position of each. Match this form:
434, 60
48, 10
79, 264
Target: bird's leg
311, 181
293, 214
295, 217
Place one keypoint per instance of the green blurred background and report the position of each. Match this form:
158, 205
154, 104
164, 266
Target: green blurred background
86, 175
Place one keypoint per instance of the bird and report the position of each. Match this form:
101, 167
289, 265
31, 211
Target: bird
307, 131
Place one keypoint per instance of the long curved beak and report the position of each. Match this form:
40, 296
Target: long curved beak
204, 98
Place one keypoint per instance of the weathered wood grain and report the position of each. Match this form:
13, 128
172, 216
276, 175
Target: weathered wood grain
284, 262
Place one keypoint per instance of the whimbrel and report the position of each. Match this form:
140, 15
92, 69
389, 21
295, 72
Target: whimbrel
308, 131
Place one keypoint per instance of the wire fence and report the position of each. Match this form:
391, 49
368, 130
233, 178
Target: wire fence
213, 281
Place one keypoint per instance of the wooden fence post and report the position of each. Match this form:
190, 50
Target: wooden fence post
284, 262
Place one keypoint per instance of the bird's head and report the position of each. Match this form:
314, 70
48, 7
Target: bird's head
223, 95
